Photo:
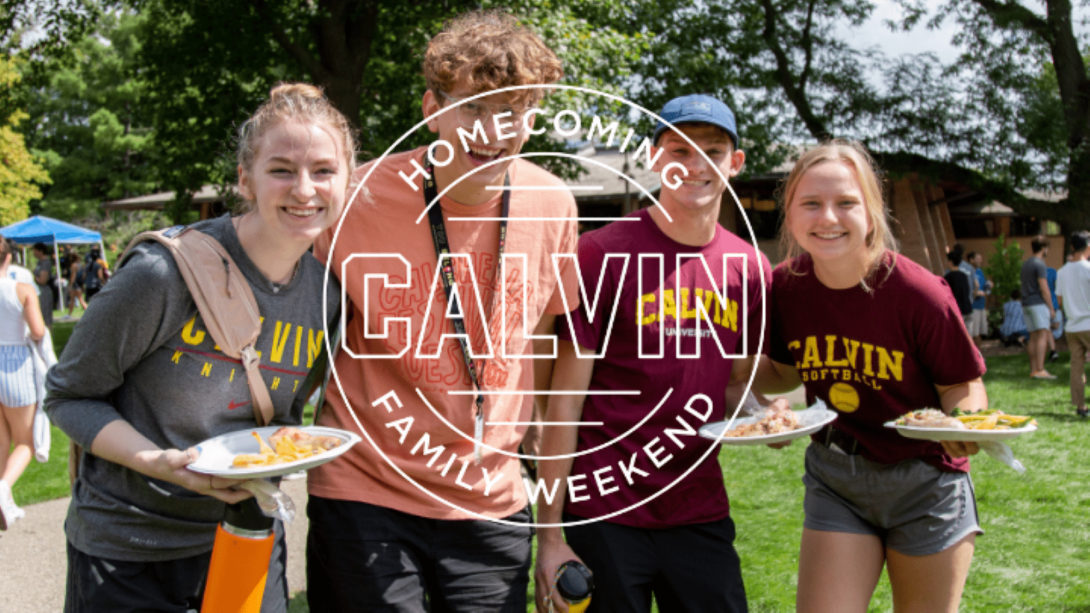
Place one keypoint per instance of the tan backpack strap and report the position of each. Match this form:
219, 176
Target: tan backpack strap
223, 298
259, 393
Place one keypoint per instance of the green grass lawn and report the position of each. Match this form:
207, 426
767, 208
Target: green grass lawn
50, 480
1035, 555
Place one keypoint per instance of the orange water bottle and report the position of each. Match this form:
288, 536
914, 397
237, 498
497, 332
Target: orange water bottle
240, 560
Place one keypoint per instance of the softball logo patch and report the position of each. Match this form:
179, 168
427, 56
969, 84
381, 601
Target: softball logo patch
844, 397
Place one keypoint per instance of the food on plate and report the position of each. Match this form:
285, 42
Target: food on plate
988, 419
302, 439
778, 419
993, 419
930, 418
290, 444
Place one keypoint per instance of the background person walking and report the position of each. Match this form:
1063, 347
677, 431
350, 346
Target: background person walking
1037, 307
1057, 324
1073, 293
978, 327
960, 286
20, 316
75, 282
94, 273
43, 276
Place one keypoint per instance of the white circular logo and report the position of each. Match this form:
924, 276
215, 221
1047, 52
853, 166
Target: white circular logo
402, 302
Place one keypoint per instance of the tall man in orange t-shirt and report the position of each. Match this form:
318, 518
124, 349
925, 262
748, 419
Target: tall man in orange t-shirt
435, 366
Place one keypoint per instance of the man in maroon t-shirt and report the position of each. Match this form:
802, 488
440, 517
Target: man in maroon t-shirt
672, 300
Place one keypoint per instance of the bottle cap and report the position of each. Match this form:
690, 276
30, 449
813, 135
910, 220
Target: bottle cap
574, 581
247, 516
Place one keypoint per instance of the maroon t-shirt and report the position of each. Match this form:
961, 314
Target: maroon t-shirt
657, 305
874, 356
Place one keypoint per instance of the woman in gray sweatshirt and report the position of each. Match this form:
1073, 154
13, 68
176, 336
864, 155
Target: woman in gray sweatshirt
141, 381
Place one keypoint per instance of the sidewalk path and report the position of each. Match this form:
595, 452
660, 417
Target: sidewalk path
33, 562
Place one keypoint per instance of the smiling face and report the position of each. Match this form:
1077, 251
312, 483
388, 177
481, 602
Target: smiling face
828, 218
297, 181
486, 144
701, 187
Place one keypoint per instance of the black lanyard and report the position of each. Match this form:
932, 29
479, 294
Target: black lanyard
442, 249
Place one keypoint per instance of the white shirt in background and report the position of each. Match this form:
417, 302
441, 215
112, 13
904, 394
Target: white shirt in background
1073, 283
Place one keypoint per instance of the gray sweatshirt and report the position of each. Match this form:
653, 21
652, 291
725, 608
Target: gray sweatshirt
141, 353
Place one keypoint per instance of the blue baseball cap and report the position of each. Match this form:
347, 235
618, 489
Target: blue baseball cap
697, 108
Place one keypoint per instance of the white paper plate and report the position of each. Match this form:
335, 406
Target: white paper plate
218, 453
810, 421
953, 434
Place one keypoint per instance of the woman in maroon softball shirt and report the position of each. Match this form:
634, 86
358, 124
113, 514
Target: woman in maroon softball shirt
874, 335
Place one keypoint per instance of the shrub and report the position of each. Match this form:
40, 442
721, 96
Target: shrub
122, 226
1004, 268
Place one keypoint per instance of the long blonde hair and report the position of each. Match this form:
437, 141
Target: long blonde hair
294, 101
879, 239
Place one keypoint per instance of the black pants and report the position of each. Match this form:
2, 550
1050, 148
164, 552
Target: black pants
45, 301
362, 557
97, 585
687, 568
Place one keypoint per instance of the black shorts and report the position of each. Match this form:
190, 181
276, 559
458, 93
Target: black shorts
687, 568
362, 557
97, 584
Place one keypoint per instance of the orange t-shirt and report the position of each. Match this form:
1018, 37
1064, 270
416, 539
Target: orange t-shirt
396, 390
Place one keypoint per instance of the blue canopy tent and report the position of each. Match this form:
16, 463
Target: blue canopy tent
40, 229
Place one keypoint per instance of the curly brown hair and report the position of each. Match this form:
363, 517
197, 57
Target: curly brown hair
486, 50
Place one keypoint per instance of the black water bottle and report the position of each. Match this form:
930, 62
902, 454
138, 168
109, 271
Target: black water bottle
574, 583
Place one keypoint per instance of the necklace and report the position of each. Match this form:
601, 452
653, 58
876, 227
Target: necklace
276, 287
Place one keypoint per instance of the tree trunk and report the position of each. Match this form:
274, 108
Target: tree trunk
127, 157
344, 92
1078, 184
344, 35
341, 33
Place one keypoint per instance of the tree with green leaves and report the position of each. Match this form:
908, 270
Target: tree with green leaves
1009, 116
203, 67
989, 122
1024, 72
1004, 267
20, 173
778, 63
91, 125
207, 65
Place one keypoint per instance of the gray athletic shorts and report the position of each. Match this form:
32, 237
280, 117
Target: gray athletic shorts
1036, 317
979, 323
913, 507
